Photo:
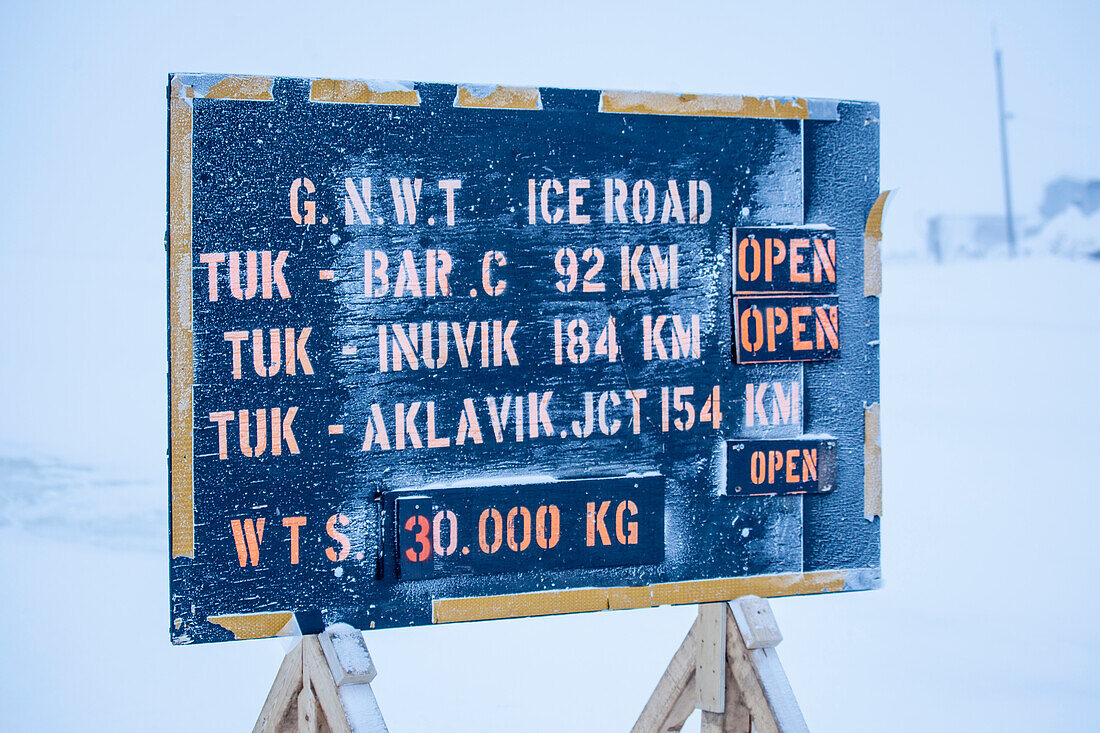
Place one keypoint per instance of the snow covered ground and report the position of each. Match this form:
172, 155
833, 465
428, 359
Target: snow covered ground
987, 620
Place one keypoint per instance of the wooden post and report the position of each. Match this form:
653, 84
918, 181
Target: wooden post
710, 658
323, 686
728, 668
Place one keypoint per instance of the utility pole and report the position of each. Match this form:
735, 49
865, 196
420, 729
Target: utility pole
1010, 225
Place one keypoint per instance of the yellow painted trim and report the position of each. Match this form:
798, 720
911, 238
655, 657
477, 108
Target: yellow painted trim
872, 463
499, 98
706, 105
255, 88
872, 246
232, 86
629, 597
337, 91
255, 625
765, 586
545, 603
181, 344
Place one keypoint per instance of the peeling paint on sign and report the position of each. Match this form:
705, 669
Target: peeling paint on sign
454, 352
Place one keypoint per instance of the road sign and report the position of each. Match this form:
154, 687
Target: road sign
443, 353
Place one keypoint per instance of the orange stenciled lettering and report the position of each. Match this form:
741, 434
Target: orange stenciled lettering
792, 466
356, 205
825, 260
775, 251
236, 338
809, 464
340, 537
212, 260
406, 197
276, 362
775, 463
757, 322
798, 328
452, 532
492, 283
482, 526
247, 536
295, 524
796, 260
626, 532
418, 524
302, 212
754, 404
514, 513
777, 324
743, 251
547, 526
282, 431
222, 418
251, 276
757, 467
597, 523
296, 351
449, 186
269, 272
827, 327
244, 425
784, 403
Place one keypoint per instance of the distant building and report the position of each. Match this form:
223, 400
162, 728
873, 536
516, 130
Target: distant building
967, 236
1068, 224
1063, 193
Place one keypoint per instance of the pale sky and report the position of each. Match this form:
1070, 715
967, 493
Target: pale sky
82, 135
84, 101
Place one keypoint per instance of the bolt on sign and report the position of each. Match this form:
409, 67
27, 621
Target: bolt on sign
443, 353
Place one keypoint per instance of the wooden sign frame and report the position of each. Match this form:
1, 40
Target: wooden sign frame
306, 412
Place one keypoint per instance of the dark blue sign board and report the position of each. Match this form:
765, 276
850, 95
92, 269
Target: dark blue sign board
443, 353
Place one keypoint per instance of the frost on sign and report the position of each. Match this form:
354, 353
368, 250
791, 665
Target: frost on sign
449, 353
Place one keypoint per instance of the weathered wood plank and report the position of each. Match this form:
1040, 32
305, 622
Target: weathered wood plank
680, 711
712, 722
324, 687
762, 682
757, 622
347, 655
307, 710
363, 713
674, 686
736, 718
710, 658
287, 682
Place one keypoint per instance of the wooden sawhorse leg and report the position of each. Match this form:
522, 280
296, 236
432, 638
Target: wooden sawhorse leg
728, 668
323, 686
